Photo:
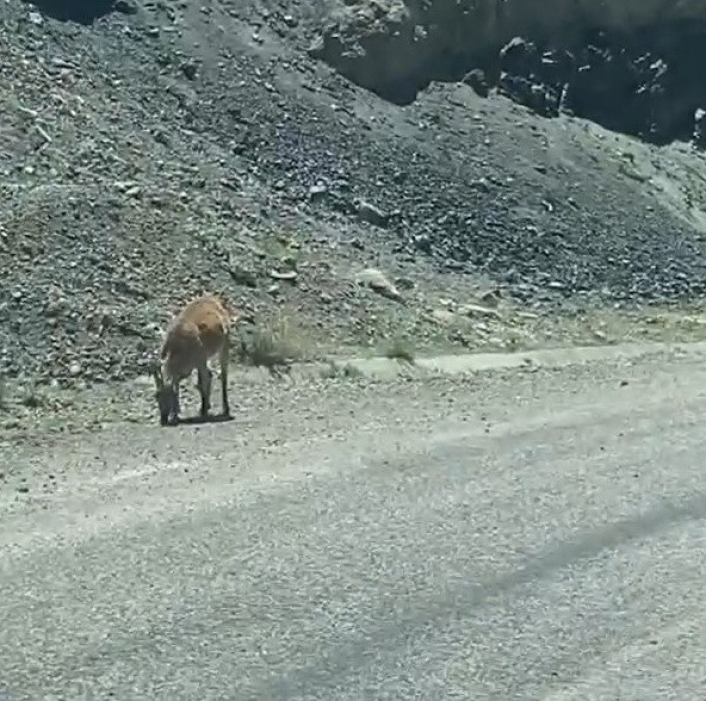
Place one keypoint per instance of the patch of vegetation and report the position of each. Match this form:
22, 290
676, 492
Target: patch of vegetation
399, 349
284, 252
333, 370
31, 397
273, 347
3, 395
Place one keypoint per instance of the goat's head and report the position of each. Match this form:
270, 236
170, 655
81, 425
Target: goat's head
165, 393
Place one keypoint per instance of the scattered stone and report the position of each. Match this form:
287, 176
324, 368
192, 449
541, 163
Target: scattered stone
475, 310
373, 215
317, 192
404, 283
491, 298
476, 80
443, 317
378, 282
189, 69
423, 242
56, 306
481, 184
125, 7
288, 275
241, 275
700, 128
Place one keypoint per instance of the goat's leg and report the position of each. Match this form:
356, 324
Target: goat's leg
204, 385
176, 407
224, 361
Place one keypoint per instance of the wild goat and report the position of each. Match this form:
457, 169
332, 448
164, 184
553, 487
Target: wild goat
200, 331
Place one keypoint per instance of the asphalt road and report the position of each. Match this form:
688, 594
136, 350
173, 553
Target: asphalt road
550, 548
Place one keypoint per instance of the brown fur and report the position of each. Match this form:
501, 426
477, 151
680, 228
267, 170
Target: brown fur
199, 332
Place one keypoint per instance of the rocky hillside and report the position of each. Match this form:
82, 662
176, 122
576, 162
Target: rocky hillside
286, 153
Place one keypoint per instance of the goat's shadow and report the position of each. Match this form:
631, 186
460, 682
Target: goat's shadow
201, 420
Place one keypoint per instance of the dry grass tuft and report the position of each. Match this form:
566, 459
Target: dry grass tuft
399, 349
334, 370
274, 347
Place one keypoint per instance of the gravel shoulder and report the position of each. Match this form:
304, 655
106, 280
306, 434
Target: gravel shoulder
282, 427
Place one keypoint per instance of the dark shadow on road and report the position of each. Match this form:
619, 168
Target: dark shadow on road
198, 420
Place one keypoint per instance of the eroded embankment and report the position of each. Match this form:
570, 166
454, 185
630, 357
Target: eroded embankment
631, 65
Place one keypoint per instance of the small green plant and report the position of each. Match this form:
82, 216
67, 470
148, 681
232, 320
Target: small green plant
283, 252
399, 349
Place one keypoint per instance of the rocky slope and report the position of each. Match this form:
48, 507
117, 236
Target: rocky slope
149, 150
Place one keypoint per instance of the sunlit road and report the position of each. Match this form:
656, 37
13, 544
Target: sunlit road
556, 554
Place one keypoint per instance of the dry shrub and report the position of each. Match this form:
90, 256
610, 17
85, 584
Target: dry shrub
274, 346
399, 349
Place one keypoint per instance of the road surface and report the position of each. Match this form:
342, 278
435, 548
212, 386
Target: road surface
539, 537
